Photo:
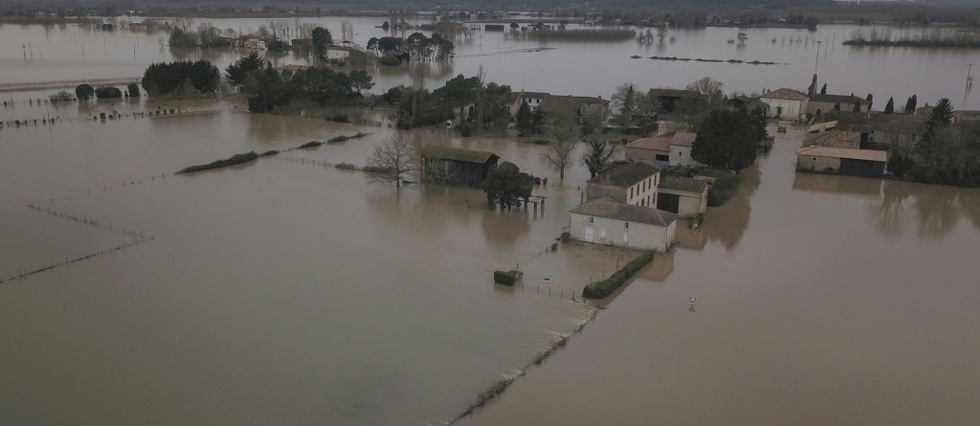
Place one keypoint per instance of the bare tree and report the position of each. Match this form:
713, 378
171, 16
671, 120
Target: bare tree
710, 91
391, 161
433, 171
563, 136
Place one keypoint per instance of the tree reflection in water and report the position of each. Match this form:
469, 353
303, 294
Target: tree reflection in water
936, 209
729, 221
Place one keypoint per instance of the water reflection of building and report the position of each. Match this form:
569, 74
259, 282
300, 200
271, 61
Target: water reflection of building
837, 184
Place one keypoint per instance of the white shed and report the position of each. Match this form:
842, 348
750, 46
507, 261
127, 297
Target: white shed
785, 104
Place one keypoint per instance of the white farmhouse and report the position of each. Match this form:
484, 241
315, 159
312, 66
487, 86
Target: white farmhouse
610, 222
785, 104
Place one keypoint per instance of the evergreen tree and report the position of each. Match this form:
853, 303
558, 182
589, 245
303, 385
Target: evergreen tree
890, 106
837, 106
823, 90
910, 105
237, 71
870, 99
857, 106
525, 120
940, 116
727, 139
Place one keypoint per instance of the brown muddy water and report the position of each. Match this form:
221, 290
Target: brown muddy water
820, 300
280, 291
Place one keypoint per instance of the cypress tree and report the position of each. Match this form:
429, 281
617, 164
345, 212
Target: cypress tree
890, 106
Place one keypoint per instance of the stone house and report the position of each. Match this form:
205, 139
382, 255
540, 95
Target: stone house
673, 149
634, 183
785, 104
607, 221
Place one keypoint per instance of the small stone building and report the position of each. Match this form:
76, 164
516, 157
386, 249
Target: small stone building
841, 152
682, 196
610, 222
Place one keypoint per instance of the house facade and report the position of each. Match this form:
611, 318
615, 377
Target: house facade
682, 196
607, 221
634, 183
785, 104
671, 149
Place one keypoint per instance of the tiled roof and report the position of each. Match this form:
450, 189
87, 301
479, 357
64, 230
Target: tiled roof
853, 154
534, 95
656, 143
834, 139
784, 93
626, 176
457, 154
611, 209
684, 138
679, 183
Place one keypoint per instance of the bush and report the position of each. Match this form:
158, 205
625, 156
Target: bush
606, 287
134, 90
61, 96
389, 61
84, 92
230, 161
346, 166
108, 92
340, 118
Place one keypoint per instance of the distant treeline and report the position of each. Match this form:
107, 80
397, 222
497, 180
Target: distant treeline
931, 38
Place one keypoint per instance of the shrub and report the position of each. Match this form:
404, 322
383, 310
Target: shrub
606, 287
389, 61
134, 90
84, 92
340, 118
507, 277
108, 92
346, 166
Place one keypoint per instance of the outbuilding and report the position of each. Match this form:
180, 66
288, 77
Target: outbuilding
683, 196
459, 166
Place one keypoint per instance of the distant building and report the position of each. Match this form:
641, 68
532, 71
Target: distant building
578, 108
255, 44
785, 104
672, 100
462, 166
610, 222
821, 104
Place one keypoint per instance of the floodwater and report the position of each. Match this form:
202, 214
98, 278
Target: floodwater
288, 291
36, 53
282, 291
841, 301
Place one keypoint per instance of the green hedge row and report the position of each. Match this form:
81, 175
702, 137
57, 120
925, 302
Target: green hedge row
602, 289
